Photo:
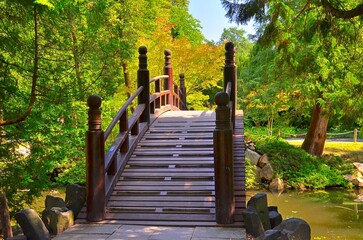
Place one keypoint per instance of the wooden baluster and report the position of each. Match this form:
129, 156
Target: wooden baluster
157, 90
143, 79
183, 90
230, 75
355, 135
124, 125
223, 161
95, 147
168, 70
175, 99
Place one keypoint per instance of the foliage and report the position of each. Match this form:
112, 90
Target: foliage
250, 174
296, 166
305, 58
54, 54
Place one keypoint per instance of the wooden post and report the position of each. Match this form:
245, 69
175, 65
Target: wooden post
95, 147
5, 217
183, 91
168, 70
143, 79
230, 75
223, 161
355, 137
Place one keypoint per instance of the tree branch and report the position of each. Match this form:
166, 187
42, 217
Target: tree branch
34, 77
338, 13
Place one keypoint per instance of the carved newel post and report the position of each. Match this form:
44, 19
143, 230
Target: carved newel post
223, 161
230, 75
168, 70
143, 79
95, 152
183, 91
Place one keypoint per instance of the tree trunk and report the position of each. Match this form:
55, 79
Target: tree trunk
5, 217
316, 136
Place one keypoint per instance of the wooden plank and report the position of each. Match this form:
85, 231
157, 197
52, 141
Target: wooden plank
164, 188
162, 217
169, 170
162, 204
168, 174
165, 183
162, 198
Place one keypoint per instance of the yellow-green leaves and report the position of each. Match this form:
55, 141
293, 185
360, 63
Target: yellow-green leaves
44, 3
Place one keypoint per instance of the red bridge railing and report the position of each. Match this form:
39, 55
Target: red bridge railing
105, 167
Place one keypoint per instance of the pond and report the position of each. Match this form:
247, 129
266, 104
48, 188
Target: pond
331, 214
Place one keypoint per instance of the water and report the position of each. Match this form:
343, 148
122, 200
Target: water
334, 214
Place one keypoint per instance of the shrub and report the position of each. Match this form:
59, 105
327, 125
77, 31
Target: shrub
295, 165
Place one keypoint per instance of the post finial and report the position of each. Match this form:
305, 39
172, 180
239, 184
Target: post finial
221, 99
94, 101
142, 50
230, 54
142, 58
167, 54
94, 113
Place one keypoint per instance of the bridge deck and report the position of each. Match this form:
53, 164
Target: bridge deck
169, 180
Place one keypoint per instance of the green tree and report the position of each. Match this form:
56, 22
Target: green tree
184, 24
316, 50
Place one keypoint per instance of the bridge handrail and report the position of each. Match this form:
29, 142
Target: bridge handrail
104, 168
121, 112
158, 78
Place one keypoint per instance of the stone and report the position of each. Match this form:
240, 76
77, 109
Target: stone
259, 202
295, 228
263, 161
251, 145
274, 216
60, 220
272, 235
18, 237
267, 172
75, 198
276, 185
358, 166
349, 177
253, 156
252, 222
31, 225
51, 201
358, 182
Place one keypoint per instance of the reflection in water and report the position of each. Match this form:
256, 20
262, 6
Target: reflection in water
334, 214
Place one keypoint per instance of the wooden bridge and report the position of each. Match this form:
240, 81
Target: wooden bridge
166, 165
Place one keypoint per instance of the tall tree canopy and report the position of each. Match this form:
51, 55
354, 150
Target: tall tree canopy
317, 49
55, 53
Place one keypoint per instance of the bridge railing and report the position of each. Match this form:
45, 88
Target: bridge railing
223, 141
105, 167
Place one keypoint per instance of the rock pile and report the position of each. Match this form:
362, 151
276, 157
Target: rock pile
58, 215
264, 170
265, 223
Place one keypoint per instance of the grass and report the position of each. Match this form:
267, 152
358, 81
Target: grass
348, 151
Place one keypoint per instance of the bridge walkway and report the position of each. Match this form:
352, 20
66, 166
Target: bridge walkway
169, 179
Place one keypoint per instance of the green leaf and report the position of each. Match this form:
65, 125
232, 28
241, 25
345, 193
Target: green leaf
44, 3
